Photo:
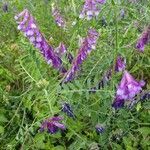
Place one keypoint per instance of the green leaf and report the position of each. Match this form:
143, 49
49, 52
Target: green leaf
113, 3
58, 148
1, 129
144, 131
3, 118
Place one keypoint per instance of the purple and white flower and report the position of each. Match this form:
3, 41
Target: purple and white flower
88, 44
143, 40
28, 25
127, 89
58, 18
52, 125
91, 9
120, 64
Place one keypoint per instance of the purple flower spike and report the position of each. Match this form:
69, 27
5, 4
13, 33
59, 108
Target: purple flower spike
88, 44
58, 18
143, 40
52, 125
120, 64
127, 90
129, 87
28, 26
91, 9
99, 129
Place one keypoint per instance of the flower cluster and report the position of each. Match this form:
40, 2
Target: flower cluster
127, 90
91, 8
143, 40
51, 125
58, 18
120, 64
28, 26
88, 44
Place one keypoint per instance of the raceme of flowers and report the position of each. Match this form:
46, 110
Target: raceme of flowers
120, 64
127, 89
58, 18
27, 24
143, 40
52, 125
91, 9
88, 44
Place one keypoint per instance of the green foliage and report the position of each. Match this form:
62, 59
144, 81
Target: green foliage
30, 89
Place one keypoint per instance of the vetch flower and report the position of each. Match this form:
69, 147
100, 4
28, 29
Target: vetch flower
99, 129
28, 26
91, 8
143, 40
66, 108
120, 64
58, 18
88, 44
127, 89
52, 125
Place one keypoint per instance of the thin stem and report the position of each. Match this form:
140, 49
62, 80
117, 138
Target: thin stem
116, 39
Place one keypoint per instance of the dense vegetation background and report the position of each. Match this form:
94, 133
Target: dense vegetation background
30, 88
